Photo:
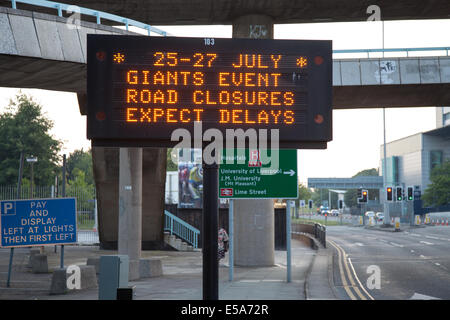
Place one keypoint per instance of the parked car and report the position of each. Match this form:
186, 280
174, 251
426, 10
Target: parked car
380, 216
369, 214
324, 210
335, 212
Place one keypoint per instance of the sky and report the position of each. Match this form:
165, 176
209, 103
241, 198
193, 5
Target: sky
357, 133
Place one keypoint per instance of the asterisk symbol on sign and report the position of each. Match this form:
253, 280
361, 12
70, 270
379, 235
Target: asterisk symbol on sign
302, 62
119, 58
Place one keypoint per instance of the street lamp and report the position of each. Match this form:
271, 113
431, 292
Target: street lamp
32, 159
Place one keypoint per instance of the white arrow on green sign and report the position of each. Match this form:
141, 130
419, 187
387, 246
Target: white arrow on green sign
252, 178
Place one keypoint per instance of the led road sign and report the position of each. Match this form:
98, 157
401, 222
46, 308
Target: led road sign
140, 89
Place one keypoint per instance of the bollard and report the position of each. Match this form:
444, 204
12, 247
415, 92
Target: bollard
417, 220
397, 224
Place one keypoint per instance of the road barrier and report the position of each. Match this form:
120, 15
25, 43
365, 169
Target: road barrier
317, 230
320, 233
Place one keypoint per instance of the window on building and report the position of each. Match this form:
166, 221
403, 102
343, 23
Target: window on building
435, 159
446, 119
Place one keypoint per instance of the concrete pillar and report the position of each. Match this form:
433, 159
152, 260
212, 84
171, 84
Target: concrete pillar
254, 26
254, 220
153, 197
130, 207
105, 163
106, 174
254, 228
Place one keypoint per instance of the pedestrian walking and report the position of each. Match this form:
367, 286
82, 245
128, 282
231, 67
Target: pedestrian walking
223, 243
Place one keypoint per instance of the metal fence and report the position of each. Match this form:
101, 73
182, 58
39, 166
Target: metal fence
87, 231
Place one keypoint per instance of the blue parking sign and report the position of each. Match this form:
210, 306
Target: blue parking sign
38, 222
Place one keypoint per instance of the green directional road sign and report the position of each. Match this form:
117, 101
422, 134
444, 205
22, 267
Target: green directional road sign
248, 174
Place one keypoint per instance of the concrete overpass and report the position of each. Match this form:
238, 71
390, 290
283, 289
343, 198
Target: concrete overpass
195, 12
367, 182
39, 51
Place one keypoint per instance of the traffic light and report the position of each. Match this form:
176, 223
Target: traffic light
341, 204
310, 204
365, 195
359, 196
410, 194
362, 198
399, 193
389, 195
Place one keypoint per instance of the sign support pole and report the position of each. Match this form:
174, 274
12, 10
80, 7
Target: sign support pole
19, 185
11, 254
230, 237
288, 240
63, 195
210, 230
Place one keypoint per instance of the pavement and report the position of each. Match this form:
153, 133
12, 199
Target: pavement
182, 276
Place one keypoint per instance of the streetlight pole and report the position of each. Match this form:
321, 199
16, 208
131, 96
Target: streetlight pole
387, 218
32, 160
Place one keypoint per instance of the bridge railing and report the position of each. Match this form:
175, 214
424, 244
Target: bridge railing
435, 51
182, 229
99, 15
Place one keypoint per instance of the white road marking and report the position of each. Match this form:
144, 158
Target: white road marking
396, 244
359, 244
431, 237
428, 243
418, 296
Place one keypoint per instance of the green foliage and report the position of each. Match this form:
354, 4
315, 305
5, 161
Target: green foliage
170, 165
23, 128
367, 172
438, 191
80, 179
80, 160
303, 194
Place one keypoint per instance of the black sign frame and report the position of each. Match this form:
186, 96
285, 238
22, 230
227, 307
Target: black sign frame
104, 128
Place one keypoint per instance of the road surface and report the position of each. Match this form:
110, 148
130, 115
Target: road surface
411, 264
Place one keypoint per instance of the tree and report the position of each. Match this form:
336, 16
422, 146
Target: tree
303, 194
79, 188
438, 191
24, 128
82, 161
171, 166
